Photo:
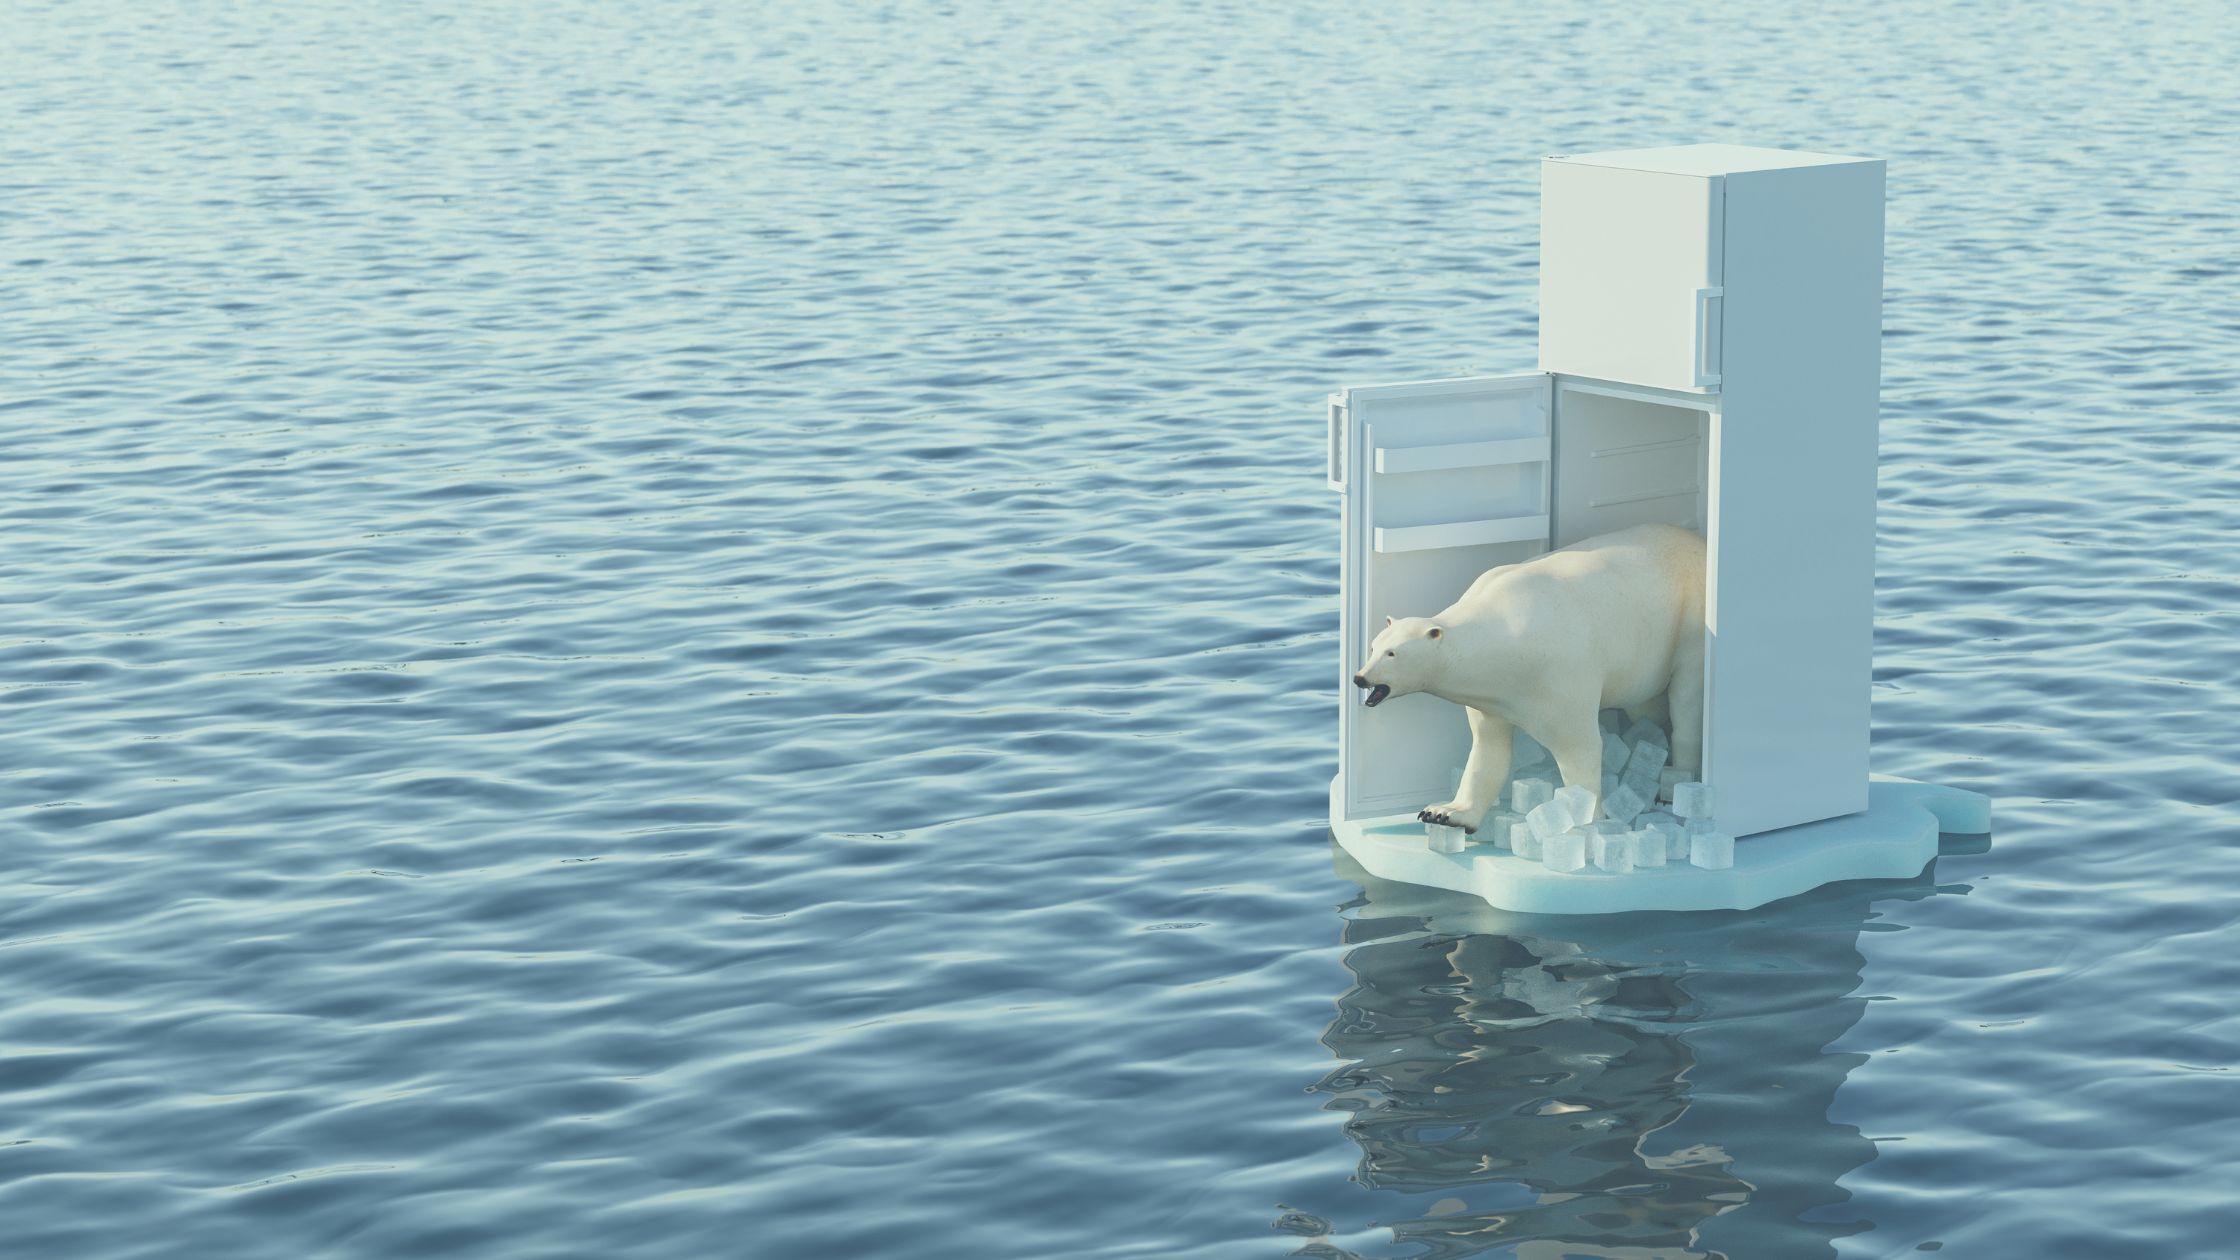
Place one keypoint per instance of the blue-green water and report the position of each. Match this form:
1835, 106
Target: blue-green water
707, 630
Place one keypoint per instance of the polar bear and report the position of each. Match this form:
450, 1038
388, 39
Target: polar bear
1614, 621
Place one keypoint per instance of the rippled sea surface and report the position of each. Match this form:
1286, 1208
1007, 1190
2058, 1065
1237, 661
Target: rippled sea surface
703, 630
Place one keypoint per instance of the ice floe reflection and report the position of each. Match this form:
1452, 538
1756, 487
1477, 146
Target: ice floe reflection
1644, 1085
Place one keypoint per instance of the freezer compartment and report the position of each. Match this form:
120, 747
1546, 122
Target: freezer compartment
1631, 274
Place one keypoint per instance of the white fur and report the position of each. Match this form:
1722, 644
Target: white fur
1613, 622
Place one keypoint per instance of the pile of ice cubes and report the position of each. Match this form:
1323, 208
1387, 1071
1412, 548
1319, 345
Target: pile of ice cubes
1564, 829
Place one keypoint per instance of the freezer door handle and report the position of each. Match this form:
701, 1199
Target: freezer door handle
1335, 471
1710, 308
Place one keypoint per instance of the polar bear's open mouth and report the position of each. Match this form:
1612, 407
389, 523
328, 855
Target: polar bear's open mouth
1377, 694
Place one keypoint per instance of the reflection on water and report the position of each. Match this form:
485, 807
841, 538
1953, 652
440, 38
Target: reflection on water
1638, 1085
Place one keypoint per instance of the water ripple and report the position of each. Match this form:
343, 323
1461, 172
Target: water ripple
696, 630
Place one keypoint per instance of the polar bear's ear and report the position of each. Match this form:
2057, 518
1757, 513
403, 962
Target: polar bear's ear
1433, 633
1388, 621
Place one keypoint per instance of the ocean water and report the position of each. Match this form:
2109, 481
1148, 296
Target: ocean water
707, 630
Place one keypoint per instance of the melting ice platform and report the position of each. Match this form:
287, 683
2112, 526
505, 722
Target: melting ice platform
1893, 838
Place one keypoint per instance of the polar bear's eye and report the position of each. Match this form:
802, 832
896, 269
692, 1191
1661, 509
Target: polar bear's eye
1388, 653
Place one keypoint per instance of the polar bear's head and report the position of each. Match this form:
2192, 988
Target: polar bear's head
1405, 657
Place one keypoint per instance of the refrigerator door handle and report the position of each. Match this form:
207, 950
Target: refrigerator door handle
1711, 306
1334, 470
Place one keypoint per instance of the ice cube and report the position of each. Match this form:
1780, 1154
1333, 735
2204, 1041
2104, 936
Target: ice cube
1444, 839
1611, 721
1527, 794
1525, 844
1494, 829
1647, 732
1668, 777
1612, 851
1674, 831
1565, 851
1516, 837
1645, 767
1549, 818
1691, 800
1614, 754
1579, 801
1624, 805
1650, 847
1711, 850
1609, 784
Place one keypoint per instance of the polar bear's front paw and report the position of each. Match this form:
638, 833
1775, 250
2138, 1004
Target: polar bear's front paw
1454, 814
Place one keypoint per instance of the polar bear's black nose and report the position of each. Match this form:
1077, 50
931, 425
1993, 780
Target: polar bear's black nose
1359, 681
